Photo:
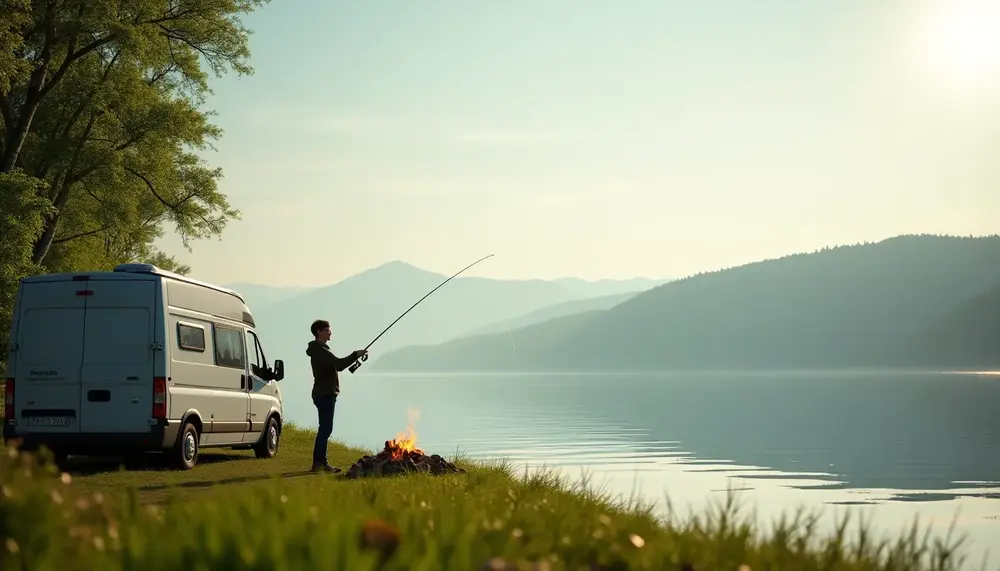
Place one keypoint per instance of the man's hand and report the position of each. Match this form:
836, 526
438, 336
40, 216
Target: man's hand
361, 353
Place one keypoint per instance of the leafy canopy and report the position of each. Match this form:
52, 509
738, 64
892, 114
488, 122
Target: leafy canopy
110, 119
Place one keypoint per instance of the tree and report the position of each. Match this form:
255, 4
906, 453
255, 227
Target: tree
22, 214
110, 119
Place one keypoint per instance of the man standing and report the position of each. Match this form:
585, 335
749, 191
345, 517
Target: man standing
326, 387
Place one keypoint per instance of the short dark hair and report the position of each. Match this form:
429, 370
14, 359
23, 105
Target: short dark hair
317, 326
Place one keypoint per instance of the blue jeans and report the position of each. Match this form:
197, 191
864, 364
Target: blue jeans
324, 406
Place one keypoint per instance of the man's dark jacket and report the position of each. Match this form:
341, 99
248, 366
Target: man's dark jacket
325, 366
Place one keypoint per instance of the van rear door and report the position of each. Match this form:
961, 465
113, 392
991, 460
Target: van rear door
49, 352
116, 390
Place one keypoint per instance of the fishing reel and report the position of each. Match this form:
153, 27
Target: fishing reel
357, 364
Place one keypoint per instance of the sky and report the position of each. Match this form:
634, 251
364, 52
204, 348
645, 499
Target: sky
599, 139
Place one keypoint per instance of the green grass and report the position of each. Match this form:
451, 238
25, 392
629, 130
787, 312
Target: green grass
237, 512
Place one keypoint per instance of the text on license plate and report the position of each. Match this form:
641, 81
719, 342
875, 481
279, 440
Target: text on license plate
48, 421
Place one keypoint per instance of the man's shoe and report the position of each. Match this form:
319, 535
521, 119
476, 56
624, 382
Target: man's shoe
325, 468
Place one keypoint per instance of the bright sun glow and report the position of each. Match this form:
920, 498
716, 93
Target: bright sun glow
961, 40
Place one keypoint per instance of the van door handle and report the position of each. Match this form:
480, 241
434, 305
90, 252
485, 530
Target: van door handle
243, 382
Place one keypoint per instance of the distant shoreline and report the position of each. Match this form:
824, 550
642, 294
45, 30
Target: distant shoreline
972, 373
784, 372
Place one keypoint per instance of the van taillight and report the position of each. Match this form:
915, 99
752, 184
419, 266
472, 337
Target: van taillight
160, 398
8, 399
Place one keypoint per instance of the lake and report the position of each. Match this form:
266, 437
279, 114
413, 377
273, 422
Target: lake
888, 447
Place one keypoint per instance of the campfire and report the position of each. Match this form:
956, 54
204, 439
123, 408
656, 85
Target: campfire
401, 456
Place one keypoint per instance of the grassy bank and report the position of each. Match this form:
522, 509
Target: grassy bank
237, 512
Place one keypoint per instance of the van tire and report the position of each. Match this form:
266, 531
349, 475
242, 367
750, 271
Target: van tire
186, 451
267, 446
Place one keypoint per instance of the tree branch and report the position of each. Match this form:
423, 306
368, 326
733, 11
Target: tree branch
149, 184
82, 234
71, 57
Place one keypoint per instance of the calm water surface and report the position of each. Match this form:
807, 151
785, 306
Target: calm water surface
884, 446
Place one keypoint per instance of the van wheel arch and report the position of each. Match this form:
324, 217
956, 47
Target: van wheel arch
194, 418
187, 450
267, 446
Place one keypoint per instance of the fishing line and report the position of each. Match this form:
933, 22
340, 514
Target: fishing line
357, 364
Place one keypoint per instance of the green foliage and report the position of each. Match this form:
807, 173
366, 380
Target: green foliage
486, 519
16, 13
22, 214
110, 117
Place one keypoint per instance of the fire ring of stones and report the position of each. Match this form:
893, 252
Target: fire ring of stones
401, 457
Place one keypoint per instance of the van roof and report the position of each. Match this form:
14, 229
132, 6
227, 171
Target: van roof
147, 269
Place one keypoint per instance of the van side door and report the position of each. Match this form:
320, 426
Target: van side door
230, 421
260, 389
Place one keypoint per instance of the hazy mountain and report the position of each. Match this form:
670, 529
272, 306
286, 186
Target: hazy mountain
554, 311
608, 287
855, 305
259, 296
361, 306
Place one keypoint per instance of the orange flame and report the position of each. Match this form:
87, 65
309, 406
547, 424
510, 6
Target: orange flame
405, 442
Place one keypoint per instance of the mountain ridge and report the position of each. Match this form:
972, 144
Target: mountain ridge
848, 305
360, 306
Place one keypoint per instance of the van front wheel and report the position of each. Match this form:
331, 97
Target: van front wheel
267, 447
186, 450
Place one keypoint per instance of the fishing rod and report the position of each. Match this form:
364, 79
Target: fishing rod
357, 364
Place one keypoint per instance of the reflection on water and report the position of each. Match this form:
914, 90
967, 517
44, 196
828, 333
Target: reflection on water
893, 445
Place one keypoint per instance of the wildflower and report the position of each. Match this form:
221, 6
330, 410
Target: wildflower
11, 544
381, 536
605, 519
56, 498
498, 564
66, 478
517, 533
99, 543
638, 541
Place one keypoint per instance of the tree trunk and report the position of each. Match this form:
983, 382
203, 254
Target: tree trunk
16, 137
44, 242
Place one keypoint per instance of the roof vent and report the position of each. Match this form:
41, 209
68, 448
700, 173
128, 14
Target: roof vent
137, 268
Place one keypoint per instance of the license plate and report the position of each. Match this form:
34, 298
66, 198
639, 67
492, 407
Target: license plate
48, 421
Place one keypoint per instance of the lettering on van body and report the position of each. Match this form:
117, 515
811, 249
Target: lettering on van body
44, 374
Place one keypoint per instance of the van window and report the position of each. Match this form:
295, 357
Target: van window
191, 337
256, 364
229, 348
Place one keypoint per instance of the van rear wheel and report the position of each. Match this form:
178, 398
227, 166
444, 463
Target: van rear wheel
185, 453
267, 447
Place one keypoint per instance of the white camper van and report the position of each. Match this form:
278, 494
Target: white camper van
138, 359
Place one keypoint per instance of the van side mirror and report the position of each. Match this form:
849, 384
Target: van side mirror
279, 369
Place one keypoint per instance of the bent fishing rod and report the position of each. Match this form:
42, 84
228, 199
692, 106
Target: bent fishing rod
357, 364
